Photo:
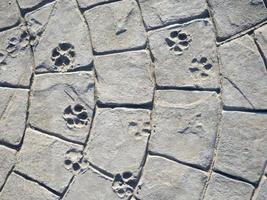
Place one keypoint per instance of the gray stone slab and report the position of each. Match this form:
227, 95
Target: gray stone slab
42, 158
124, 78
13, 109
160, 13
244, 75
163, 179
185, 55
242, 147
261, 38
182, 120
261, 194
89, 3
10, 13
31, 3
116, 26
232, 17
221, 188
63, 104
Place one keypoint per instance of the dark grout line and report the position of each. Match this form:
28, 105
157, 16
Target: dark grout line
10, 86
24, 11
84, 9
8, 145
265, 3
10, 27
258, 184
91, 125
246, 110
6, 178
217, 90
147, 106
101, 171
66, 188
264, 58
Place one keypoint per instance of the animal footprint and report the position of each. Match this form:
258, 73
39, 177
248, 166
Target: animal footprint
75, 161
178, 41
76, 116
139, 128
200, 67
193, 126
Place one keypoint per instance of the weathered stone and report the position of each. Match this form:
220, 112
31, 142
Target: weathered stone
232, 17
261, 37
182, 120
13, 108
10, 14
116, 26
42, 158
160, 13
244, 75
18, 187
31, 3
261, 194
163, 179
185, 55
118, 139
124, 78
221, 187
89, 3
63, 104
242, 148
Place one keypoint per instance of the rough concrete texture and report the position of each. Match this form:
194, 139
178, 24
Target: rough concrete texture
10, 14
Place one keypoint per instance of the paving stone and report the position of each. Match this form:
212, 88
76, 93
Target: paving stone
242, 148
261, 37
160, 13
221, 187
116, 26
89, 3
64, 44
63, 104
232, 17
10, 14
163, 179
13, 108
42, 158
118, 139
31, 3
182, 120
262, 192
185, 55
244, 75
124, 78
19, 188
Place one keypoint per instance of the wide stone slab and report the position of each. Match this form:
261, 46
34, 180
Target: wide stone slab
261, 194
185, 55
164, 179
116, 26
244, 75
63, 104
261, 38
42, 158
89, 3
182, 120
242, 147
13, 109
124, 78
10, 14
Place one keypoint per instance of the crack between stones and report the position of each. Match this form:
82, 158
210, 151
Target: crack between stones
24, 11
264, 58
6, 178
258, 184
83, 9
189, 88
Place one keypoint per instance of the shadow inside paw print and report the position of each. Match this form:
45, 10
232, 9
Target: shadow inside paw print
75, 161
178, 41
139, 129
76, 116
256, 2
193, 126
200, 67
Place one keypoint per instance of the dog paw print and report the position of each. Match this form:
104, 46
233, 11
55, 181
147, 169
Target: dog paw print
178, 41
200, 67
63, 57
138, 128
193, 126
76, 116
75, 161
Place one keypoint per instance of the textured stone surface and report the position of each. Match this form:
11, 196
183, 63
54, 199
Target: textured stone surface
31, 3
9, 12
261, 37
262, 193
89, 3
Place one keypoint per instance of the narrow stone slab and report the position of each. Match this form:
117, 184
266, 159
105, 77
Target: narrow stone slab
185, 55
89, 3
63, 104
10, 14
182, 120
261, 194
261, 37
31, 3
244, 75
13, 109
116, 26
242, 148
124, 78
221, 187
42, 158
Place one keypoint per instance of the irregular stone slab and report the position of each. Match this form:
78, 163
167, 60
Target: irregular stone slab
16, 60
185, 55
31, 3
244, 75
116, 26
118, 139
262, 193
124, 78
242, 148
89, 3
13, 109
63, 104
164, 179
60, 48
19, 188
232, 17
160, 13
42, 158
221, 187
182, 120
10, 14
261, 37
7, 160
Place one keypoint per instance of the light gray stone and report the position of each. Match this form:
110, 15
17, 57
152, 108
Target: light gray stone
221, 188
63, 104
163, 179
232, 17
13, 108
124, 78
42, 158
89, 3
31, 3
261, 37
185, 55
244, 74
19, 188
9, 12
182, 120
262, 192
116, 26
242, 147
118, 139
160, 13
